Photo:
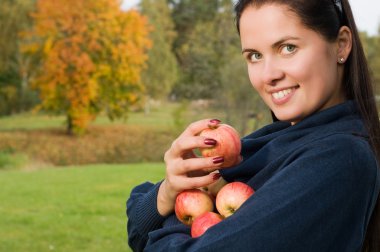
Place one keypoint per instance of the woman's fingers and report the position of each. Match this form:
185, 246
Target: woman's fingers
183, 146
206, 165
183, 169
190, 140
197, 182
196, 127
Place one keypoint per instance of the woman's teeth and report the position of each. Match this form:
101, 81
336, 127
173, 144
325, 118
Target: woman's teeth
282, 93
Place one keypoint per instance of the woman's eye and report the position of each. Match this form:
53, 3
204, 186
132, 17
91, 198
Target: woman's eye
255, 56
288, 49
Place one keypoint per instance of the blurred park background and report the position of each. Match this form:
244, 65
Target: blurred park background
91, 96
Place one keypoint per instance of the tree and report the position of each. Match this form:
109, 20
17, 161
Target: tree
195, 23
93, 55
13, 18
188, 13
199, 63
162, 67
15, 94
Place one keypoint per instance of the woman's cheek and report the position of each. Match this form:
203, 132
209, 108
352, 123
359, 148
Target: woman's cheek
257, 85
252, 77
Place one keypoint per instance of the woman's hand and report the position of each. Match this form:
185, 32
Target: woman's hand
184, 170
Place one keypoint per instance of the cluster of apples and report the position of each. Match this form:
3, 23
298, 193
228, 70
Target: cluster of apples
201, 209
195, 207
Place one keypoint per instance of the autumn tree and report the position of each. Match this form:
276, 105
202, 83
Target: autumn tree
93, 54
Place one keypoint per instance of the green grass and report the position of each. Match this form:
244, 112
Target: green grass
79, 208
69, 209
163, 115
30, 121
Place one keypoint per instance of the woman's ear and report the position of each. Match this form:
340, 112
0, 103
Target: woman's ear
344, 43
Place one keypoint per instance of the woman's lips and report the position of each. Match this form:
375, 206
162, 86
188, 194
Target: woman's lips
282, 96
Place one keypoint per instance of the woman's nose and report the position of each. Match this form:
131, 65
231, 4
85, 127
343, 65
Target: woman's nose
272, 72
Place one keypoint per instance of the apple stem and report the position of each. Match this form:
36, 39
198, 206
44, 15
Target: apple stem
213, 126
188, 219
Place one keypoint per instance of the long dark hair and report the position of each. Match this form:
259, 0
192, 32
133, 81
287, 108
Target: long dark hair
326, 17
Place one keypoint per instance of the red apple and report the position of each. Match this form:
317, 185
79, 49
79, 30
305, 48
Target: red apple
231, 197
228, 144
204, 222
215, 187
191, 203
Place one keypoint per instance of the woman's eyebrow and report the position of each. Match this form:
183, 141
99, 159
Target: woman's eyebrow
247, 50
283, 40
274, 45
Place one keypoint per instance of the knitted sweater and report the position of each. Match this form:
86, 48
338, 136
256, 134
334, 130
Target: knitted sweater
316, 184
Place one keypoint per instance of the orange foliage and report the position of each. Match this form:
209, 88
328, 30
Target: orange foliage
93, 54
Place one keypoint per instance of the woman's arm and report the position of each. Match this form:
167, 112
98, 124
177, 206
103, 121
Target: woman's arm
143, 216
321, 200
149, 204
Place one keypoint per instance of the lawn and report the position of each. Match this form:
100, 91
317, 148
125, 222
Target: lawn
163, 115
79, 208
30, 121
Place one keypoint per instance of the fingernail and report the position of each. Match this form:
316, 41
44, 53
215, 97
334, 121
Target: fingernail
216, 176
210, 141
216, 121
218, 160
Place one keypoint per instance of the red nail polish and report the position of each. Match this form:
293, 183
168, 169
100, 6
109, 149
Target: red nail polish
210, 141
215, 121
216, 176
218, 160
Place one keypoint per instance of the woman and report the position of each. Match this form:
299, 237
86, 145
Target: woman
314, 170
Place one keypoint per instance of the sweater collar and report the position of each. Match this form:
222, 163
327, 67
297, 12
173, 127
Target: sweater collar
343, 111
264, 145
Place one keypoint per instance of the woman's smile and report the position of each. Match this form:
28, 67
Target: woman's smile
293, 68
281, 96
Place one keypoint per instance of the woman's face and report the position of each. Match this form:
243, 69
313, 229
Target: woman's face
293, 68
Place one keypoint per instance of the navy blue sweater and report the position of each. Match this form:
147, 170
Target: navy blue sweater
315, 182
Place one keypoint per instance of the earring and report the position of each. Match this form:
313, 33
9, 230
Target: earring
341, 60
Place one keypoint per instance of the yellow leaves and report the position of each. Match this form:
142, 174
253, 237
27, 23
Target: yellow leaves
93, 54
48, 45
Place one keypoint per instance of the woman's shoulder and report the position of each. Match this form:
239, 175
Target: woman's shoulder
350, 142
349, 151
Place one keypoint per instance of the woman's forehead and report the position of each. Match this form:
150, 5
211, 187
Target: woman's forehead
269, 14
270, 23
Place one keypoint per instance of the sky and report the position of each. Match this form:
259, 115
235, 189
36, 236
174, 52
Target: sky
366, 13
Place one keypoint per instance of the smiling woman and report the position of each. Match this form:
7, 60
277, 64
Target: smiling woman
314, 170
277, 62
